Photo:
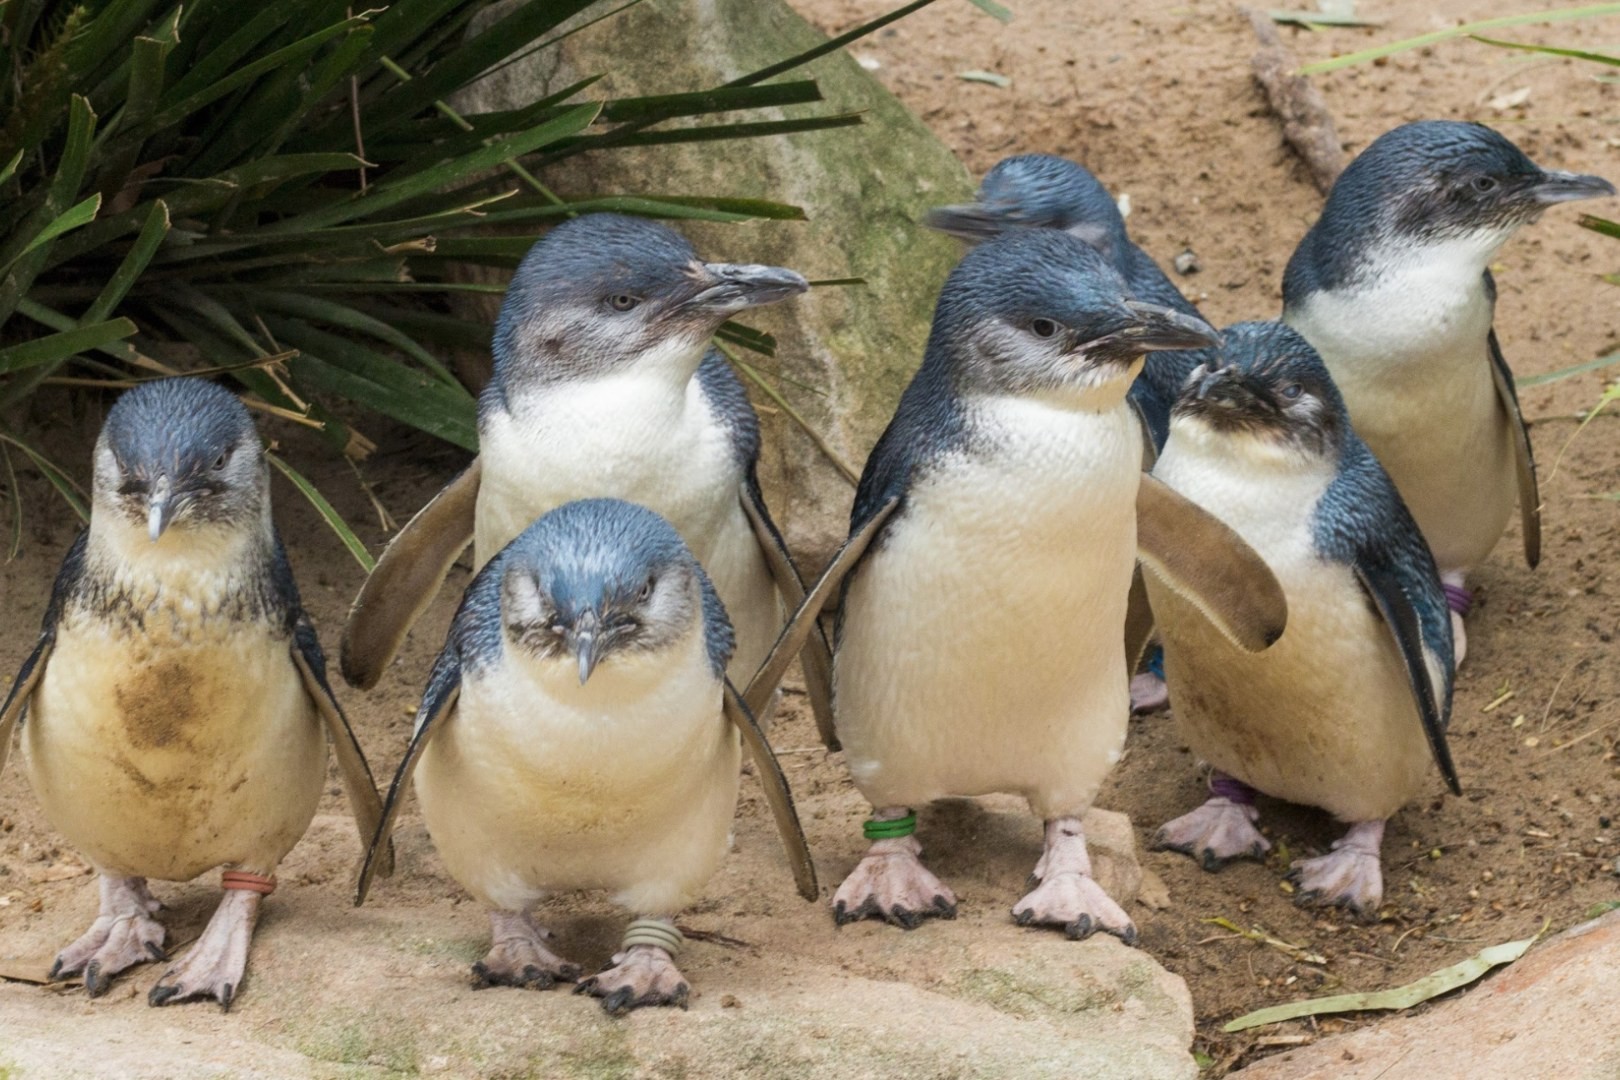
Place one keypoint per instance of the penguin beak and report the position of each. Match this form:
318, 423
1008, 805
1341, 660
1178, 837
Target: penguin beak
161, 506
1152, 328
729, 287
973, 222
1557, 187
1222, 386
586, 646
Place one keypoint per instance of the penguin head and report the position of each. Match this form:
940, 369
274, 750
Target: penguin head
181, 454
603, 582
602, 291
1269, 391
1038, 311
1039, 191
1445, 180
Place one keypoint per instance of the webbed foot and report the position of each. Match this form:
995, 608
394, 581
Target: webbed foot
1067, 896
1216, 833
518, 955
1350, 876
891, 883
123, 935
641, 975
214, 966
1149, 694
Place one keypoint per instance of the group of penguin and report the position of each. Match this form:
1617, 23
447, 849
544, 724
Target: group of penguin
1080, 463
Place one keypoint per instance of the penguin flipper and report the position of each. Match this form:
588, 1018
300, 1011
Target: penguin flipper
358, 783
406, 578
1207, 562
803, 621
816, 656
22, 688
1524, 461
438, 700
777, 792
1384, 589
1138, 622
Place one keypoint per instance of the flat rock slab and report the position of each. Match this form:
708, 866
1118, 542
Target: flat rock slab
383, 990
1550, 1014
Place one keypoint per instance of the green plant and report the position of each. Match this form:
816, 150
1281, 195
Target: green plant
282, 188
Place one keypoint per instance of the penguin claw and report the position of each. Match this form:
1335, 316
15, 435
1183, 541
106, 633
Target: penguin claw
1351, 876
518, 956
1214, 834
640, 976
214, 966
124, 934
1077, 904
891, 883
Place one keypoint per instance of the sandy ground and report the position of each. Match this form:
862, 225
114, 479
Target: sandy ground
1156, 98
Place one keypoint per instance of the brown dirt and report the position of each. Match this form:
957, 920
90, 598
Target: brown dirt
1156, 98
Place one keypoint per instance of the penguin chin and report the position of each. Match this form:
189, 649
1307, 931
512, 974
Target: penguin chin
1263, 442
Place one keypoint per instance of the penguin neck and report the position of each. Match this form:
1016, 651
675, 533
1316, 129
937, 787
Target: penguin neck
622, 678
193, 570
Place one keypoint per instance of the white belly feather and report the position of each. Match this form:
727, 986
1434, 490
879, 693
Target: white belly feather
170, 749
536, 784
1421, 394
982, 644
627, 437
1324, 717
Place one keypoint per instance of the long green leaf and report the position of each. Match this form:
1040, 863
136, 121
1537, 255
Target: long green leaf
76, 217
349, 318
1590, 11
328, 512
1550, 50
58, 477
54, 347
1599, 225
135, 262
1564, 373
1400, 997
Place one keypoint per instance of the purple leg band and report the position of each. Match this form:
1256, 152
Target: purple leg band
1458, 599
1231, 789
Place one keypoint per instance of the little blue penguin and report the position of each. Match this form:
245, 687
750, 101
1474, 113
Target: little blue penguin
1392, 287
175, 712
1347, 709
606, 385
1049, 192
992, 543
578, 732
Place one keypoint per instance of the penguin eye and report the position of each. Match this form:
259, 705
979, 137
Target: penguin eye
647, 590
1484, 184
1292, 391
1043, 328
622, 301
219, 462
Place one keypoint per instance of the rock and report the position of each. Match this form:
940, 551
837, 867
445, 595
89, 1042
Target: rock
1112, 843
1550, 1014
1187, 263
864, 189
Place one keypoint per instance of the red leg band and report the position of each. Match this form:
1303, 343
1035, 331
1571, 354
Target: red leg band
241, 879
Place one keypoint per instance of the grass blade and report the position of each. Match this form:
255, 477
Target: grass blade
1590, 11
1550, 50
76, 217
329, 514
56, 347
71, 492
1565, 373
140, 254
1600, 225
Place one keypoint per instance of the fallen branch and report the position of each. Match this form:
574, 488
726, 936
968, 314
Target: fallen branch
1307, 125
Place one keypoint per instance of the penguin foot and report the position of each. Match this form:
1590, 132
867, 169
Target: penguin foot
518, 955
214, 965
640, 975
1350, 876
891, 883
123, 935
1076, 903
1459, 639
1149, 694
1214, 834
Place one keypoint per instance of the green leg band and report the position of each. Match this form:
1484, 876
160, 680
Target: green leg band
892, 829
654, 932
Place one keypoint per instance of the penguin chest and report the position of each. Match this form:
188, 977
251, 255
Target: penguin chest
628, 783
1409, 353
981, 646
1325, 717
165, 753
628, 437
